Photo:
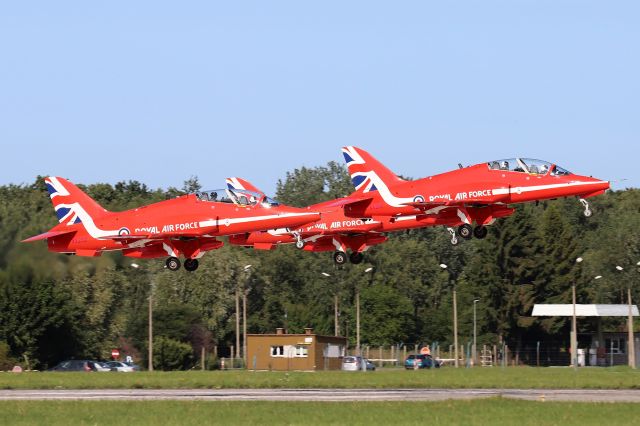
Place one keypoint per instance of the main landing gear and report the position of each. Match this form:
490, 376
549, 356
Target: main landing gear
466, 232
340, 258
173, 264
587, 211
191, 264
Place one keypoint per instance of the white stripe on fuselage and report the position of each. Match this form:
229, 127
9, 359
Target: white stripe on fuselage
233, 221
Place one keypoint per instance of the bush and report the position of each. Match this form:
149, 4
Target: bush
170, 354
6, 361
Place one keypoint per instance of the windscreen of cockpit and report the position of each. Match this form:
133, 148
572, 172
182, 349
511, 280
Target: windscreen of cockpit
236, 196
527, 165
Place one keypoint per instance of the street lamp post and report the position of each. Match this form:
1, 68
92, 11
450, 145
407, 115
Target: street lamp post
358, 352
244, 316
574, 327
475, 360
455, 315
631, 346
150, 330
336, 314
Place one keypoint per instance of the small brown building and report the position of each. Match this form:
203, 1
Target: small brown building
302, 352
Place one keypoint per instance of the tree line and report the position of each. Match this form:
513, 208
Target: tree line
55, 307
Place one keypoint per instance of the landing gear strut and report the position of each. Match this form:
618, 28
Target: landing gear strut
465, 231
585, 203
356, 257
173, 263
191, 264
454, 239
340, 257
480, 232
299, 240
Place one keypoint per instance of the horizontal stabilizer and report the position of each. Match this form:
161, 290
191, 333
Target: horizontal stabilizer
44, 236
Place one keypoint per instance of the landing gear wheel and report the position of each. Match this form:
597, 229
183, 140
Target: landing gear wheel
356, 258
454, 239
191, 264
480, 232
465, 231
299, 244
587, 211
340, 258
173, 263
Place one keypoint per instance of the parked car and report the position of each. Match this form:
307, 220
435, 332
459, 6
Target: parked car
370, 366
76, 365
357, 363
101, 366
423, 361
122, 366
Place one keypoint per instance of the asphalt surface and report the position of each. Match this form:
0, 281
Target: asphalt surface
339, 395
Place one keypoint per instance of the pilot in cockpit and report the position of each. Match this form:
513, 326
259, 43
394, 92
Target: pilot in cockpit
504, 165
543, 169
214, 196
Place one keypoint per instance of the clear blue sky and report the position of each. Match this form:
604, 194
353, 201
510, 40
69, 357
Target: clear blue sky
158, 91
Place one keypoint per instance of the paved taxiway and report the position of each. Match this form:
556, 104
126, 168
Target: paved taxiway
631, 395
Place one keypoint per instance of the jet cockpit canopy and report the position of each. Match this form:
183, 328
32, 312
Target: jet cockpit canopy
240, 197
528, 165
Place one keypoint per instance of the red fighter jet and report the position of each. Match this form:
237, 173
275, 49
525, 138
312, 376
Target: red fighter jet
332, 232
186, 225
473, 195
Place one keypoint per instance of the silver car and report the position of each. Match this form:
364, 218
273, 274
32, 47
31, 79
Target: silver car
357, 363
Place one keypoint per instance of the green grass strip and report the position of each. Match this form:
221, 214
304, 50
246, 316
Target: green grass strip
494, 411
488, 378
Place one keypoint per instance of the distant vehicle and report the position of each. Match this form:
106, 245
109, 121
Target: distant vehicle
122, 366
101, 366
370, 366
357, 363
76, 365
423, 361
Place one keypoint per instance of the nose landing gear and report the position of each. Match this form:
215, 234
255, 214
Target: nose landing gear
454, 239
587, 211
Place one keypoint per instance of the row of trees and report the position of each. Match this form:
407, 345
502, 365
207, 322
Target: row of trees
54, 307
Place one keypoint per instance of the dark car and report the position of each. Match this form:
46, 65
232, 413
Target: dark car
76, 365
422, 361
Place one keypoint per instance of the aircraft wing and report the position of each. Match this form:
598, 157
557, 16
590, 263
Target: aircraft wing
45, 235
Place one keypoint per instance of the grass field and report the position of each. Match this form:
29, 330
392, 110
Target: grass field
491, 378
480, 412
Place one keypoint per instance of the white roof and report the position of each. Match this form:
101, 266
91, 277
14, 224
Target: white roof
561, 310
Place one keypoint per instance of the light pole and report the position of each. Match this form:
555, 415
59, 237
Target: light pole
358, 352
336, 314
150, 331
631, 346
574, 328
244, 315
455, 314
475, 360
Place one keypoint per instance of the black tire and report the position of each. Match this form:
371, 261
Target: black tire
480, 232
173, 263
340, 258
356, 258
465, 231
191, 264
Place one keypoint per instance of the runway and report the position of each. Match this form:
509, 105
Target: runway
321, 395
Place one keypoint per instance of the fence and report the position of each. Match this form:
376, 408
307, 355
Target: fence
540, 354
